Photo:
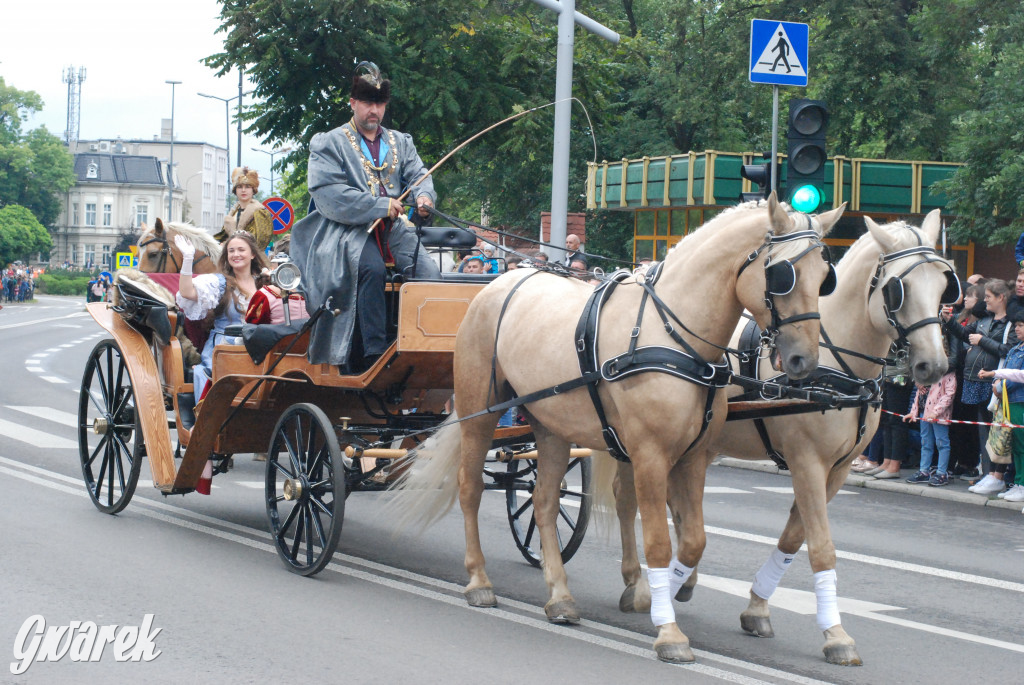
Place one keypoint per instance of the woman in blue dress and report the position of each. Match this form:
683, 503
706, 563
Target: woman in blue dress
222, 296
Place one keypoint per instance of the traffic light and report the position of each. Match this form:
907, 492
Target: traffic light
805, 159
761, 174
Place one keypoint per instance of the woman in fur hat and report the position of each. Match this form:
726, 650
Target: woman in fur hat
249, 214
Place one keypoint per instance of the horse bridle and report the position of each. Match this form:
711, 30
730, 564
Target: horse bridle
166, 251
780, 277
894, 290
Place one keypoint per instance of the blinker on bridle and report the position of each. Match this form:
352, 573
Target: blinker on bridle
780, 277
894, 290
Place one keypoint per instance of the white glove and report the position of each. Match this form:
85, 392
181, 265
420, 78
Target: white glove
188, 250
188, 253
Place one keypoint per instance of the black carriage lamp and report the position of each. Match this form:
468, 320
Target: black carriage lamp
806, 157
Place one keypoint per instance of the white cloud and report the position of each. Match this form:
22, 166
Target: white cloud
129, 49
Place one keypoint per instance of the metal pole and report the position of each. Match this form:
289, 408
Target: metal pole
775, 142
240, 94
227, 146
560, 158
170, 164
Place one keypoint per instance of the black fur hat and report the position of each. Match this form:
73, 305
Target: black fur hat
368, 86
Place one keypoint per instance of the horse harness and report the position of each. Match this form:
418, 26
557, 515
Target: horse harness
683, 363
862, 393
165, 251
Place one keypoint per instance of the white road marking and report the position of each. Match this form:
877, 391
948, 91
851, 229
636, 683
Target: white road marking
35, 437
35, 321
721, 490
789, 491
54, 379
804, 602
34, 369
452, 597
53, 349
68, 325
67, 345
33, 361
62, 417
41, 354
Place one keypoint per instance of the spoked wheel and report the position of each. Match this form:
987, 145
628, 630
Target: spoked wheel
305, 489
573, 508
110, 444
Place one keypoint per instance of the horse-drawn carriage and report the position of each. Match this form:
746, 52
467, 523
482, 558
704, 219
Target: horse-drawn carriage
325, 434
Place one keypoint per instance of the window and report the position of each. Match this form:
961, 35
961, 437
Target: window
207, 160
106, 256
220, 192
74, 219
207, 189
141, 214
206, 218
90, 213
108, 214
74, 254
220, 219
92, 171
222, 163
90, 254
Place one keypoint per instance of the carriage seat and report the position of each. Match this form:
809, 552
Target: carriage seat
260, 338
142, 308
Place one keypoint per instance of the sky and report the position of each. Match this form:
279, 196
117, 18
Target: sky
129, 48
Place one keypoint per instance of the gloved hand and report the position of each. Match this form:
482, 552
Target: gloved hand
188, 253
188, 250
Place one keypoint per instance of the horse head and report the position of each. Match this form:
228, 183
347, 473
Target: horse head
910, 283
783, 295
159, 254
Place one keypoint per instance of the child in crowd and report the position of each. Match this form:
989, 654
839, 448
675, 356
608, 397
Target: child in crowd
933, 404
1012, 374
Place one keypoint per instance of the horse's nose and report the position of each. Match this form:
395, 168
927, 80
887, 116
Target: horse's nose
798, 366
927, 372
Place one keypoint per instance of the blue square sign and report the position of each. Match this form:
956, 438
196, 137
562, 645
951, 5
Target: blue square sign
778, 52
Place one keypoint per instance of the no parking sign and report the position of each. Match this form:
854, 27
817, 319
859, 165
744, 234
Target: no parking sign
282, 213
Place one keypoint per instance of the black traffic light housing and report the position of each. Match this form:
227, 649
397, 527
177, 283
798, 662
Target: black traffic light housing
761, 174
806, 156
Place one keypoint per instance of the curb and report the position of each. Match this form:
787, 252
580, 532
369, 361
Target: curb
948, 493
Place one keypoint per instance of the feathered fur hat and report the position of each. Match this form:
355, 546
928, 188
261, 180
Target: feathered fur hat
245, 175
367, 84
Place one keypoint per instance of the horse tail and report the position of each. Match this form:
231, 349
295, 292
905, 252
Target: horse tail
427, 490
603, 514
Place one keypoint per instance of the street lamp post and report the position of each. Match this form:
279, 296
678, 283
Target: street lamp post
170, 166
227, 131
272, 154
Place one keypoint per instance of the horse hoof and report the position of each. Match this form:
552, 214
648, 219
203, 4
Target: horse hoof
481, 597
562, 612
685, 593
675, 653
758, 626
842, 655
626, 600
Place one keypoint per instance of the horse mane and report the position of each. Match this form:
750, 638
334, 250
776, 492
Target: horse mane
906, 234
751, 210
203, 241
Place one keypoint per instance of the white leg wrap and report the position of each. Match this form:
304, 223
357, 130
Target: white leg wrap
662, 611
678, 575
768, 576
828, 602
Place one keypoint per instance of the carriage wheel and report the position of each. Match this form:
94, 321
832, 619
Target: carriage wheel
573, 509
305, 489
110, 443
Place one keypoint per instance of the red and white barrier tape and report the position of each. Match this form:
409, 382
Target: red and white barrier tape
946, 422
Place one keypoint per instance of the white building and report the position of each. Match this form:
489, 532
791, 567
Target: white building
123, 183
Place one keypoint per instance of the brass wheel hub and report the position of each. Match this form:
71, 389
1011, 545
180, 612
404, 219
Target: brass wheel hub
292, 489
100, 426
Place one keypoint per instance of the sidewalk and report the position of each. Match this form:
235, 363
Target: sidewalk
957, 492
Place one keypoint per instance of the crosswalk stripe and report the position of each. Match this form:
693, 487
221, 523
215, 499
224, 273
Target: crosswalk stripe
62, 417
35, 437
54, 379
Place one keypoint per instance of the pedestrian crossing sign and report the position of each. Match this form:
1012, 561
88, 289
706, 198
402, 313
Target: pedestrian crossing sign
125, 260
778, 52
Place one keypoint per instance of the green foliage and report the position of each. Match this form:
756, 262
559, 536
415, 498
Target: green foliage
914, 79
61, 282
35, 168
21, 235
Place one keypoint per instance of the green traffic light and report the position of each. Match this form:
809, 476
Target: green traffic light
805, 199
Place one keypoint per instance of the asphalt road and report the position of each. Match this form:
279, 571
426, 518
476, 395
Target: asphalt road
929, 587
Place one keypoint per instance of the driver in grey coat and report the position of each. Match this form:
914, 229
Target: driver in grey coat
356, 173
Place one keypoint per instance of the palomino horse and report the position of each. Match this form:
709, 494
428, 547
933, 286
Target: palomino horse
656, 415
159, 255
890, 285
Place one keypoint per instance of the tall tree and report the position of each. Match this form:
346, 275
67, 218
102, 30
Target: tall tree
21, 235
35, 168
